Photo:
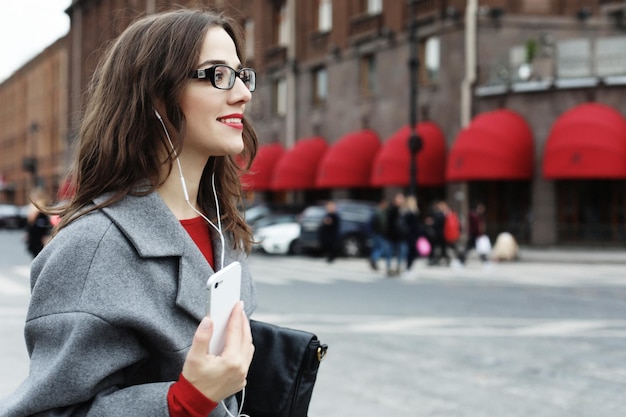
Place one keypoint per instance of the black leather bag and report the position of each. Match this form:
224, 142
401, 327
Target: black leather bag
283, 371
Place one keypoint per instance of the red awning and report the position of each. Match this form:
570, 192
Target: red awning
588, 141
297, 168
348, 162
391, 165
497, 145
259, 176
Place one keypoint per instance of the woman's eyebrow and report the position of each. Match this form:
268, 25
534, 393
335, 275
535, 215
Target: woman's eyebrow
216, 62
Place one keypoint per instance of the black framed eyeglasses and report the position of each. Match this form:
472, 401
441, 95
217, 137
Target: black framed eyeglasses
223, 77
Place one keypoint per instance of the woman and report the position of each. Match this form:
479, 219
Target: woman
412, 221
38, 225
329, 231
116, 324
396, 234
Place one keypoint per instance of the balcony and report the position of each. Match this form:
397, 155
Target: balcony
276, 56
575, 63
319, 42
365, 27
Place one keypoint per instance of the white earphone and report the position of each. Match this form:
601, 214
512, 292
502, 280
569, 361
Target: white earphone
183, 184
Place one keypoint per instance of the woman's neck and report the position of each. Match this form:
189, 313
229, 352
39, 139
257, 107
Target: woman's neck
172, 193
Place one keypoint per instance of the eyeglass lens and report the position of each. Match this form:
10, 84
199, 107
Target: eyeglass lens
224, 77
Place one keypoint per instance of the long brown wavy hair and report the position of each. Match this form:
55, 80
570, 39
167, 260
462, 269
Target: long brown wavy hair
121, 143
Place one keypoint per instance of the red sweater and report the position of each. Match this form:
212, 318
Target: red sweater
183, 399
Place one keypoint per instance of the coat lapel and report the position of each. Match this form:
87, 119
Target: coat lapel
194, 271
155, 232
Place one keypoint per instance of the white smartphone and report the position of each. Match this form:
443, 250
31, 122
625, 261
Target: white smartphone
224, 292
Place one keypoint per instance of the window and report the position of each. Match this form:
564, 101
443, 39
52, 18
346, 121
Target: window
367, 74
249, 31
324, 15
281, 21
574, 58
320, 85
591, 211
611, 56
280, 97
535, 6
374, 6
432, 58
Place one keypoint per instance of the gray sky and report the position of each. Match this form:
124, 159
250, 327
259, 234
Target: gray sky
27, 27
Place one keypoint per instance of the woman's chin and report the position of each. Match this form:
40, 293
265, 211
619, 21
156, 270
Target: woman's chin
235, 149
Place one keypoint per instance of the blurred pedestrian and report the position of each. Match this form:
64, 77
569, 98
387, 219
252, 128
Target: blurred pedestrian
329, 232
442, 241
378, 231
396, 235
412, 219
476, 228
38, 224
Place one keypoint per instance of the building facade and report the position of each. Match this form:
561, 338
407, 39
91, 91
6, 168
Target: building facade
519, 103
34, 131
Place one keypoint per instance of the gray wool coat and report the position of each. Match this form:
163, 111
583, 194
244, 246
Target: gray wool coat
116, 298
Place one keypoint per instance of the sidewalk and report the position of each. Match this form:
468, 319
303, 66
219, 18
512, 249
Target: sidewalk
573, 255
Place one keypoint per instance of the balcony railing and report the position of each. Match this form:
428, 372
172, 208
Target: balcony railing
276, 56
365, 26
578, 64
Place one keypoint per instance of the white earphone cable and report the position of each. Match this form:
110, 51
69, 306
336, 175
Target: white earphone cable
218, 228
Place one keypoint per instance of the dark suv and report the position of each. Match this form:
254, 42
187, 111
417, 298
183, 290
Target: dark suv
353, 227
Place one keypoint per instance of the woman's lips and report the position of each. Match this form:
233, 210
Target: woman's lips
235, 121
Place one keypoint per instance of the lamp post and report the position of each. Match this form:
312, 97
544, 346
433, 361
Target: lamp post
30, 162
415, 141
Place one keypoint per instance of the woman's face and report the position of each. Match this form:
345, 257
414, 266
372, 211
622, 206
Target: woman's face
214, 117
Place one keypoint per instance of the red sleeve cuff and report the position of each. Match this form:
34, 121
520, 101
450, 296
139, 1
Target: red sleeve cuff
184, 400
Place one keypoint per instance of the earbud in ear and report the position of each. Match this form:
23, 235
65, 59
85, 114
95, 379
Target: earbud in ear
157, 114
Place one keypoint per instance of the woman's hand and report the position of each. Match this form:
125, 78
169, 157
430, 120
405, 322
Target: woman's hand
219, 377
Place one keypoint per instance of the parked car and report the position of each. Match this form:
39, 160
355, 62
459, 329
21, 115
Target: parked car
278, 238
354, 234
265, 214
274, 218
256, 212
12, 216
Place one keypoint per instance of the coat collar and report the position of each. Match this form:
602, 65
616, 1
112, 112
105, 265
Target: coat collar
155, 232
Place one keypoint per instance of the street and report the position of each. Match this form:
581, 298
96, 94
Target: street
519, 339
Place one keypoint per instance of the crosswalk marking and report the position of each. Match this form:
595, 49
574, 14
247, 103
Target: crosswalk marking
11, 287
288, 270
12, 313
563, 327
450, 326
272, 270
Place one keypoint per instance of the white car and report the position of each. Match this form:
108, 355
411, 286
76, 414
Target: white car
279, 239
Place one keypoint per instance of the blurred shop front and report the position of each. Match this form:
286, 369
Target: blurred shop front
586, 155
494, 156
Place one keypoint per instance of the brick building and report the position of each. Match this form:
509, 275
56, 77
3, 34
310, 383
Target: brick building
520, 103
33, 125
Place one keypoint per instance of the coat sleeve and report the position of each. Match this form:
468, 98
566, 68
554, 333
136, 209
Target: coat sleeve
73, 372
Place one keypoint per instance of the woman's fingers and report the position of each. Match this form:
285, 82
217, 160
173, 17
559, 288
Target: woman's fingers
239, 337
220, 376
202, 337
234, 330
